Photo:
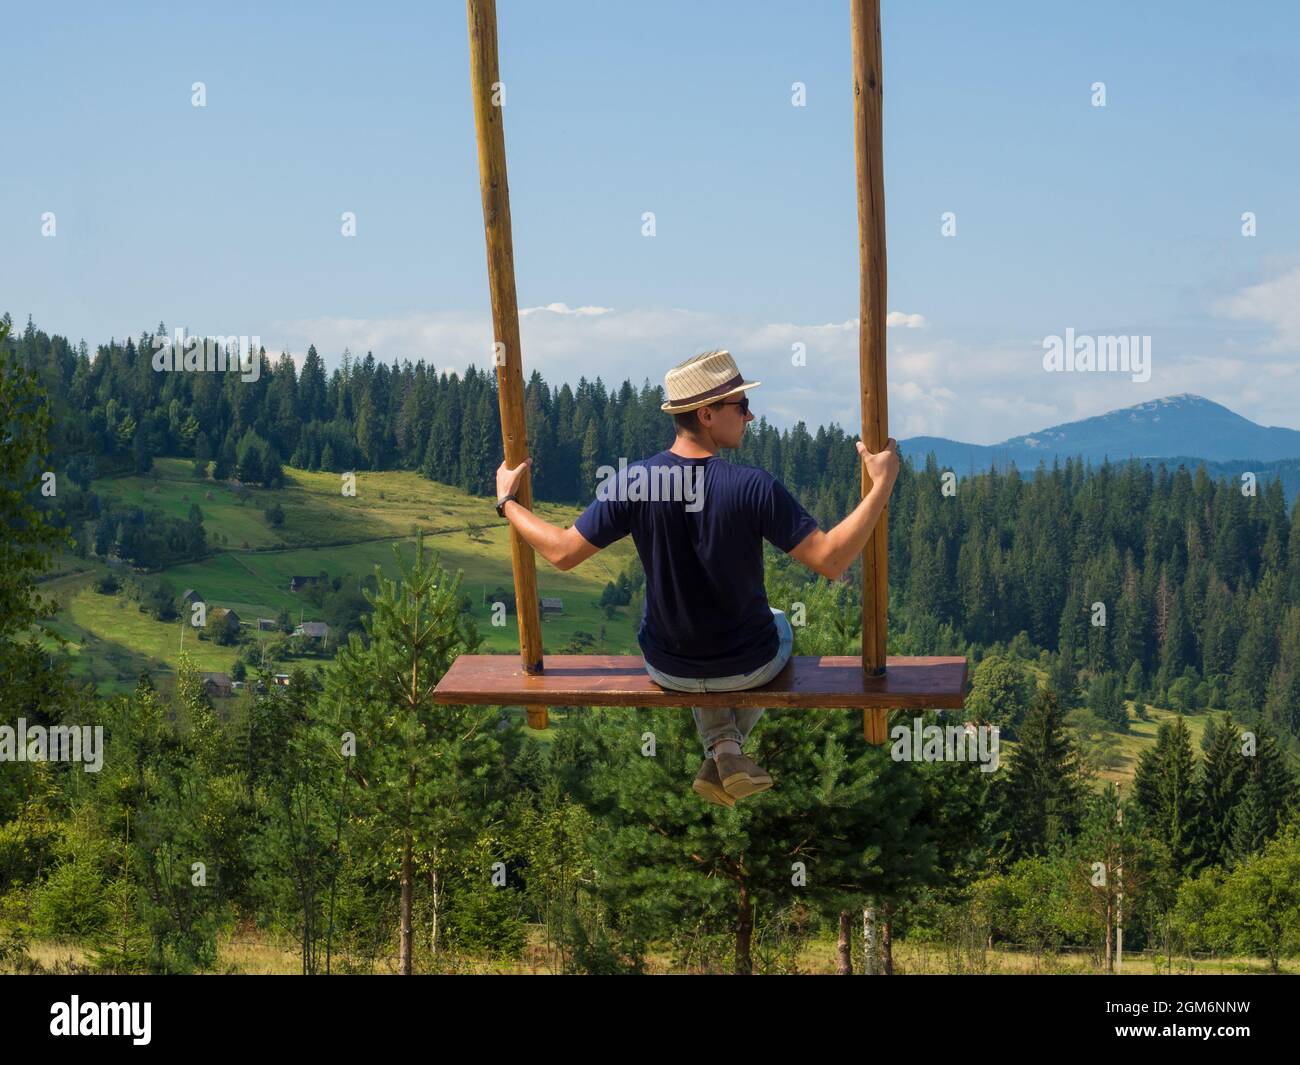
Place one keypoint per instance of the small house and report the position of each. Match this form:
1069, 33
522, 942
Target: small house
217, 685
267, 624
281, 680
190, 597
552, 607
218, 614
313, 630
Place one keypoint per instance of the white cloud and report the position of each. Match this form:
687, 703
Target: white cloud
564, 308
1275, 303
911, 321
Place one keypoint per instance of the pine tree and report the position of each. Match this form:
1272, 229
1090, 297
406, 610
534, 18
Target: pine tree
250, 465
590, 459
1267, 797
202, 455
1134, 682
1282, 699
1293, 555
1165, 787
844, 823
1223, 775
426, 771
1252, 823
1063, 680
1132, 622
1041, 798
1257, 651
272, 473
312, 388
31, 534
224, 467
141, 457
1106, 700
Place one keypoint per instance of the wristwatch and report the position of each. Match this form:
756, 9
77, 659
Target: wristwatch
501, 503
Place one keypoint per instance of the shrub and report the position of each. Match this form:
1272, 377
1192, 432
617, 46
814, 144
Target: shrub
72, 903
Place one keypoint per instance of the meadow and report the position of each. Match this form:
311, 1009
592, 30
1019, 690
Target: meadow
109, 640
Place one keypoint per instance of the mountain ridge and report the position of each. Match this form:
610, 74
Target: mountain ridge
1182, 429
1178, 426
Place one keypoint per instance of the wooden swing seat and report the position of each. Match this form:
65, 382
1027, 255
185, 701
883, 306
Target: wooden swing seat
830, 681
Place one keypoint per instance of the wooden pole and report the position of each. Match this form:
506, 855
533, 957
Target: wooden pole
868, 144
489, 128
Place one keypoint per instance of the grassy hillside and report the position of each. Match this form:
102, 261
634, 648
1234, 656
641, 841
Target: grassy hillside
110, 640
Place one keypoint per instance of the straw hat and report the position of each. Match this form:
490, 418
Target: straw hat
701, 380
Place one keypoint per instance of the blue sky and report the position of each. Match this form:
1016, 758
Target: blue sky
1123, 219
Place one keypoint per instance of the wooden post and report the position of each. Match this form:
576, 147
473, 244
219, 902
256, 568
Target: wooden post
868, 144
489, 128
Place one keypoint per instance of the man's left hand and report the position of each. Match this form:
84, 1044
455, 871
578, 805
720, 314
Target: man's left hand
509, 480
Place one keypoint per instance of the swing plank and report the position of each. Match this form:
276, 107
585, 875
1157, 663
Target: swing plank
830, 681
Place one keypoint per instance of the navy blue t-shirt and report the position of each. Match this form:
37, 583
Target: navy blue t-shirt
699, 526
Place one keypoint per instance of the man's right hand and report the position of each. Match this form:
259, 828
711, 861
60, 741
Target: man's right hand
882, 467
830, 553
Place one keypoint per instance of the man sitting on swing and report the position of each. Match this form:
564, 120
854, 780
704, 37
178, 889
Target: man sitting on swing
707, 625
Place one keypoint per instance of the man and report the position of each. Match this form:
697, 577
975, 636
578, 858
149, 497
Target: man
699, 523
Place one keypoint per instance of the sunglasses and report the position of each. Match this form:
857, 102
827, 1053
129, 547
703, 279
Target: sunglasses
743, 404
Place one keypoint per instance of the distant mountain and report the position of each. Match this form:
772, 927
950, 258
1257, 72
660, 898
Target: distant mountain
1185, 427
1179, 430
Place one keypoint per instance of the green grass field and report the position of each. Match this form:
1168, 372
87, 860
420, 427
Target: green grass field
386, 505
110, 641
1142, 736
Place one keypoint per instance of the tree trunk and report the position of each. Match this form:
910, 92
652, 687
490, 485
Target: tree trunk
886, 942
1110, 944
870, 944
404, 951
844, 953
435, 932
744, 932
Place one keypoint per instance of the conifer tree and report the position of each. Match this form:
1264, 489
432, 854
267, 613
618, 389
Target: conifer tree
424, 771
1165, 787
202, 455
1040, 800
1223, 775
1267, 798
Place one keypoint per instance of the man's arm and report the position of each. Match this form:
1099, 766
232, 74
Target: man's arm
831, 553
562, 548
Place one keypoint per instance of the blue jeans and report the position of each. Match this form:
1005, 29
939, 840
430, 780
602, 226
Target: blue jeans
730, 723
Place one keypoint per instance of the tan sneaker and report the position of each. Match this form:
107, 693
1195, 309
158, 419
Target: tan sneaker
740, 776
708, 785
